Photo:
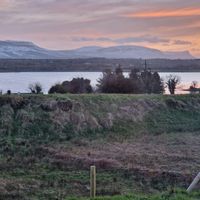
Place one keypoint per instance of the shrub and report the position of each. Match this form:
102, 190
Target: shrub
144, 82
35, 88
172, 82
76, 86
57, 88
8, 92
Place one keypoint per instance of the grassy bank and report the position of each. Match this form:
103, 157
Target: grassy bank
139, 143
172, 195
63, 117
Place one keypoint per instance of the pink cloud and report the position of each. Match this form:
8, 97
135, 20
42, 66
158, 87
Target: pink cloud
52, 23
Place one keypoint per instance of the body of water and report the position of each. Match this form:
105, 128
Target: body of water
19, 82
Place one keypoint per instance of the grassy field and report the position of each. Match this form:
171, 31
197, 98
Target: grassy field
172, 195
139, 143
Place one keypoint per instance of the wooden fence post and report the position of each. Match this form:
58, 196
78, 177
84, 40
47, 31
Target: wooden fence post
194, 183
92, 182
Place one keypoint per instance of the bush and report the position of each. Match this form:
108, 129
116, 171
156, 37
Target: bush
172, 82
8, 92
137, 82
35, 88
57, 88
76, 86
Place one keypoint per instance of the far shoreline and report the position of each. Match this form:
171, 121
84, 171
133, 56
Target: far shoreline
126, 71
97, 65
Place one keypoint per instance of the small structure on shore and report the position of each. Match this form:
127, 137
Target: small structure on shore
193, 89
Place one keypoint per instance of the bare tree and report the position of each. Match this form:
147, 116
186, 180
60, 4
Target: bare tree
194, 84
172, 82
35, 88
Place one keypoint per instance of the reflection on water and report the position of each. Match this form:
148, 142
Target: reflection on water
19, 82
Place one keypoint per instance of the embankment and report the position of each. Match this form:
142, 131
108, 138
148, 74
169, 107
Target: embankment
138, 143
59, 116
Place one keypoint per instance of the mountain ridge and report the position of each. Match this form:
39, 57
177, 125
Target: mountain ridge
28, 50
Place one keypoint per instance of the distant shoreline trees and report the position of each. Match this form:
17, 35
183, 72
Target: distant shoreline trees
115, 81
137, 82
35, 88
76, 86
172, 82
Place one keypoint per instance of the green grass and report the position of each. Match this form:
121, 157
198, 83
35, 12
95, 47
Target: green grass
172, 195
171, 120
18, 122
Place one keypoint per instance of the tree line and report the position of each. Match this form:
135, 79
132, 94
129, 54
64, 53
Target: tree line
137, 82
114, 81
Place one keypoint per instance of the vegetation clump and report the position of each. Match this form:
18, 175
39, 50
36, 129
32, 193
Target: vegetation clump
76, 86
172, 82
35, 88
137, 82
170, 195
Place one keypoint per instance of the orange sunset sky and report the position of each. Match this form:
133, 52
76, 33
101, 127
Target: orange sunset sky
172, 25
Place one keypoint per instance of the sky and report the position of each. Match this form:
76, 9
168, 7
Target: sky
169, 25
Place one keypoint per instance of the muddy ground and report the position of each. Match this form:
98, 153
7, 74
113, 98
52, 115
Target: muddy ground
147, 164
175, 155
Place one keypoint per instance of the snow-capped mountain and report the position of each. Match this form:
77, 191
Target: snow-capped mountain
28, 50
17, 50
130, 52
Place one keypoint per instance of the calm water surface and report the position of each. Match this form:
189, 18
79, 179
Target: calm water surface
19, 82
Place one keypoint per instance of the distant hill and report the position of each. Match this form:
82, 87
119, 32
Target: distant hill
28, 50
125, 52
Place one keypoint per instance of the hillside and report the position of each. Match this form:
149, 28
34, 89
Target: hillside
28, 50
139, 143
126, 52
20, 49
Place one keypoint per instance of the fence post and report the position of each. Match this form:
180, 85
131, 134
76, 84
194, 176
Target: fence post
92, 182
194, 183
